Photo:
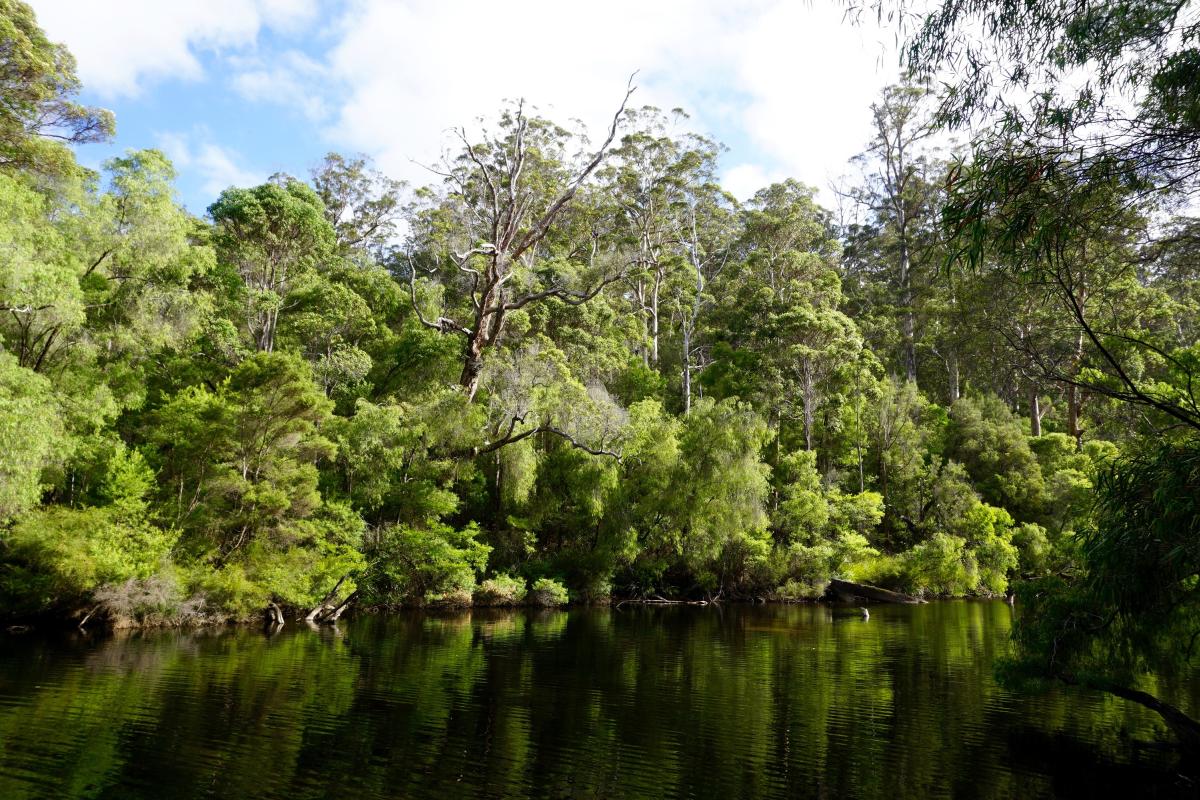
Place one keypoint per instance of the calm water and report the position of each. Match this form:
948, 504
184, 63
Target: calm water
679, 702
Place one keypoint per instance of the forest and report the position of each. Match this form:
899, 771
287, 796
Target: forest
579, 370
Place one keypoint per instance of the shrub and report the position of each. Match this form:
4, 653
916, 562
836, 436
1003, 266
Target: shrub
597, 591
230, 590
1033, 545
547, 592
413, 564
502, 590
455, 597
58, 556
942, 565
157, 600
794, 591
885, 571
988, 533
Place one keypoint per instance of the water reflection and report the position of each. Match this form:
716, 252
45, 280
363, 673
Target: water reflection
773, 701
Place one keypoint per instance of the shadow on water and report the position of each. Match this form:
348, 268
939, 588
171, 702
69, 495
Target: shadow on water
776, 701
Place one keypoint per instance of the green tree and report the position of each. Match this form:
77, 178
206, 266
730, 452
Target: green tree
276, 237
31, 434
488, 238
38, 84
1132, 610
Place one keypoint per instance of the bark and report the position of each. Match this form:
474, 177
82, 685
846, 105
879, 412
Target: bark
689, 324
1073, 408
654, 317
809, 392
324, 606
513, 236
1074, 397
908, 322
1035, 412
687, 370
952, 373
83, 622
341, 609
472, 366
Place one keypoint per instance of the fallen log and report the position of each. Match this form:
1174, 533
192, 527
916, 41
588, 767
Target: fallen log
336, 614
861, 591
326, 605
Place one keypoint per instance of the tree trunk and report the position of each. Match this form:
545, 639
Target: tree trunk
341, 609
1073, 403
472, 365
908, 322
858, 445
1035, 412
809, 402
952, 373
654, 320
687, 369
1074, 399
1186, 729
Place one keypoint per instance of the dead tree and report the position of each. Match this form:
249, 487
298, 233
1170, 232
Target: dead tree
507, 227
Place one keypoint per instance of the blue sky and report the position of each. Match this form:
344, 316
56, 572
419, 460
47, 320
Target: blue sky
234, 90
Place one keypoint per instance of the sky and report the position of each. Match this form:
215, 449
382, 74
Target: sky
235, 90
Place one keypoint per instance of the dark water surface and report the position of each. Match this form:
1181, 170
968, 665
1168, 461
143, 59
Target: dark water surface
733, 702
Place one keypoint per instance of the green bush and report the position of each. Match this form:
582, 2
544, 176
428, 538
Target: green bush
883, 570
231, 591
58, 556
547, 592
1033, 547
942, 565
420, 564
455, 597
795, 591
502, 590
597, 590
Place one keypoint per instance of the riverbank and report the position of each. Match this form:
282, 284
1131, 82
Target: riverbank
491, 595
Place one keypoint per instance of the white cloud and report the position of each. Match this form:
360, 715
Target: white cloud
785, 84
216, 167
121, 45
292, 80
743, 180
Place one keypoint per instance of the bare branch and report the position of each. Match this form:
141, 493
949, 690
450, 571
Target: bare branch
538, 231
443, 324
559, 293
511, 438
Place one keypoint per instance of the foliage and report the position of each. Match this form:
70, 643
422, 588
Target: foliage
502, 590
547, 592
38, 82
585, 365
31, 436
424, 565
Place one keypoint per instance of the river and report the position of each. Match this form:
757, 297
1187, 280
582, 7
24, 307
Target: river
718, 702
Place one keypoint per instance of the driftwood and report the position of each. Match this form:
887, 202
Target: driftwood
274, 614
84, 621
329, 611
337, 612
862, 591
325, 607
